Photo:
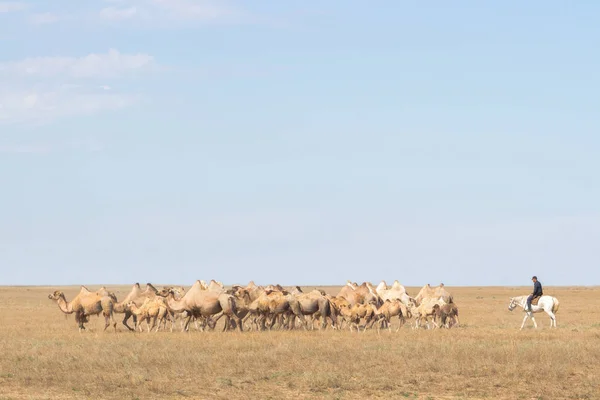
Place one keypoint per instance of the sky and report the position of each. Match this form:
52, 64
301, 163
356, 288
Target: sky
299, 142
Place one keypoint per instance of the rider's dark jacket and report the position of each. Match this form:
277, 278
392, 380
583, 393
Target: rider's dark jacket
537, 289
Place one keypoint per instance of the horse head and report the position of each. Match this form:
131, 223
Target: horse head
512, 305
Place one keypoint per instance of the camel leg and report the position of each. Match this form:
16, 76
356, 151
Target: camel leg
106, 321
226, 324
186, 323
125, 319
401, 322
303, 321
153, 323
238, 321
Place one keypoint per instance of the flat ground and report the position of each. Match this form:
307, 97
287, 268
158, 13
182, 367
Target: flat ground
42, 355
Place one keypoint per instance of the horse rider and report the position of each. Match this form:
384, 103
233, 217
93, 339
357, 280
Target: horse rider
537, 292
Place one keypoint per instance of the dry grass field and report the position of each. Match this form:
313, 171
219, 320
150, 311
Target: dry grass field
42, 355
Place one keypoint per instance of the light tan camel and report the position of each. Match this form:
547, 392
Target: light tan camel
152, 309
203, 302
427, 310
396, 291
353, 315
86, 303
137, 296
354, 294
428, 292
389, 309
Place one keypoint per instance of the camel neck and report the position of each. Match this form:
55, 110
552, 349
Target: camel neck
64, 305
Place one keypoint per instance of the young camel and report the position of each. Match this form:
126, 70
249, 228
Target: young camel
155, 310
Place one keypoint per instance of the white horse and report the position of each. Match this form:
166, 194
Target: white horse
549, 304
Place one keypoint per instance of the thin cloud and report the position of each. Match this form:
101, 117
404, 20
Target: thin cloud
107, 65
43, 18
42, 106
89, 145
25, 149
12, 6
166, 12
114, 13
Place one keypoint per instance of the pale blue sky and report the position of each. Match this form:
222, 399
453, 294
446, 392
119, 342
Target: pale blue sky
299, 142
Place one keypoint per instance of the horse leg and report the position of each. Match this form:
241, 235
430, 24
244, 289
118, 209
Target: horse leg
524, 319
534, 323
552, 318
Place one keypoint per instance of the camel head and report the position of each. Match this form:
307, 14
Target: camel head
165, 292
243, 293
56, 295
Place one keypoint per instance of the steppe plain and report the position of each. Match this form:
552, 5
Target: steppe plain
42, 355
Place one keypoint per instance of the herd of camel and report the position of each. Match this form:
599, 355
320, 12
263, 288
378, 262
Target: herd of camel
256, 307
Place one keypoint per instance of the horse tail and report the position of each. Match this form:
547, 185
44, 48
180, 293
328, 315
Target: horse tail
555, 305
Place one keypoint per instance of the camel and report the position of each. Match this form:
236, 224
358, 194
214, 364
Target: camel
152, 309
428, 292
397, 291
178, 292
203, 302
275, 305
389, 309
447, 315
215, 286
244, 297
313, 304
137, 296
269, 304
355, 294
86, 303
352, 315
427, 309
200, 322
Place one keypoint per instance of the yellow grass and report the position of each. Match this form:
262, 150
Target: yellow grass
43, 356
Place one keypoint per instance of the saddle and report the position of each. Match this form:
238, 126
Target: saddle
534, 301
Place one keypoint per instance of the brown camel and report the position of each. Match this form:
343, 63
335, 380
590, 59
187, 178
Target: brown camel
447, 315
86, 303
313, 304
